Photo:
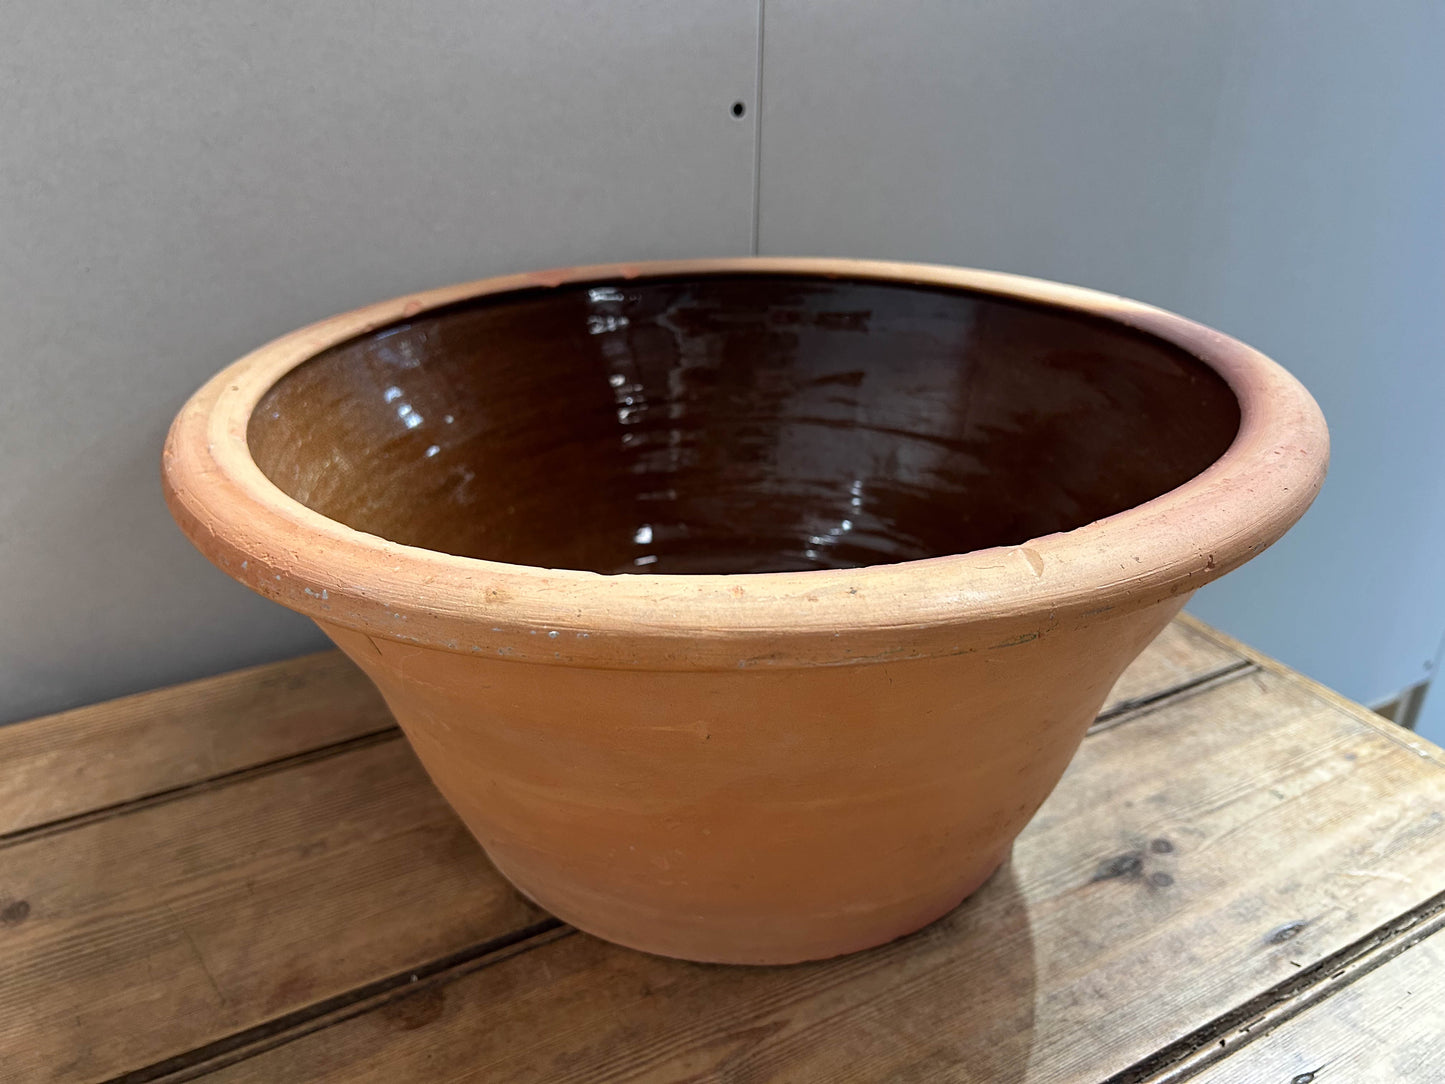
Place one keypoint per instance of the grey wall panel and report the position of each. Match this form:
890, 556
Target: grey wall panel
181, 182
1275, 168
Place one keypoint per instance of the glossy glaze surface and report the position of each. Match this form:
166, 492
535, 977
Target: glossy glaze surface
738, 423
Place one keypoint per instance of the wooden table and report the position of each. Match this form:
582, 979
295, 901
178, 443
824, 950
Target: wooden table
249, 878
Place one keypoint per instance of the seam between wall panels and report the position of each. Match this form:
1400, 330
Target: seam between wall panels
758, 130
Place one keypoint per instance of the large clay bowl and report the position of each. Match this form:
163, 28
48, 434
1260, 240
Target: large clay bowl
745, 610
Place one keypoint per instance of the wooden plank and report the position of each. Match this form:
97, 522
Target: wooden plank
1200, 856
1387, 1027
1184, 654
133, 938
60, 766
1255, 657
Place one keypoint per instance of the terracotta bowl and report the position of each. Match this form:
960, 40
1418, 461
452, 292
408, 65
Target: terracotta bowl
745, 610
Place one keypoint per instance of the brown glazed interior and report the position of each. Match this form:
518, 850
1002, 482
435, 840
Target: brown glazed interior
723, 423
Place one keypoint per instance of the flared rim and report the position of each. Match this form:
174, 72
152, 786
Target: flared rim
1163, 548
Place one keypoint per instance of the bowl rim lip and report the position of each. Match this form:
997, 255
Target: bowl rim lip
1163, 548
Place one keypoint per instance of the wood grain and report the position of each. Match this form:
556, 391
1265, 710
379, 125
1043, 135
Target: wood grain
1388, 1027
1254, 657
145, 934
1195, 858
63, 765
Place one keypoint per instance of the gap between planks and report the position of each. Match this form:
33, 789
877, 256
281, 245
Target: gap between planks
247, 1043
184, 790
1225, 1035
1133, 709
1406, 739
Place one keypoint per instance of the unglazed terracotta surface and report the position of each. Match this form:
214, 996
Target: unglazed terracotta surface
745, 610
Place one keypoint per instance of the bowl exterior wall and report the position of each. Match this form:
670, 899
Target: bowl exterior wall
760, 815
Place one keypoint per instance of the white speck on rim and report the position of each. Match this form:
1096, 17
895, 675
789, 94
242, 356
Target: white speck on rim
432, 450
643, 535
